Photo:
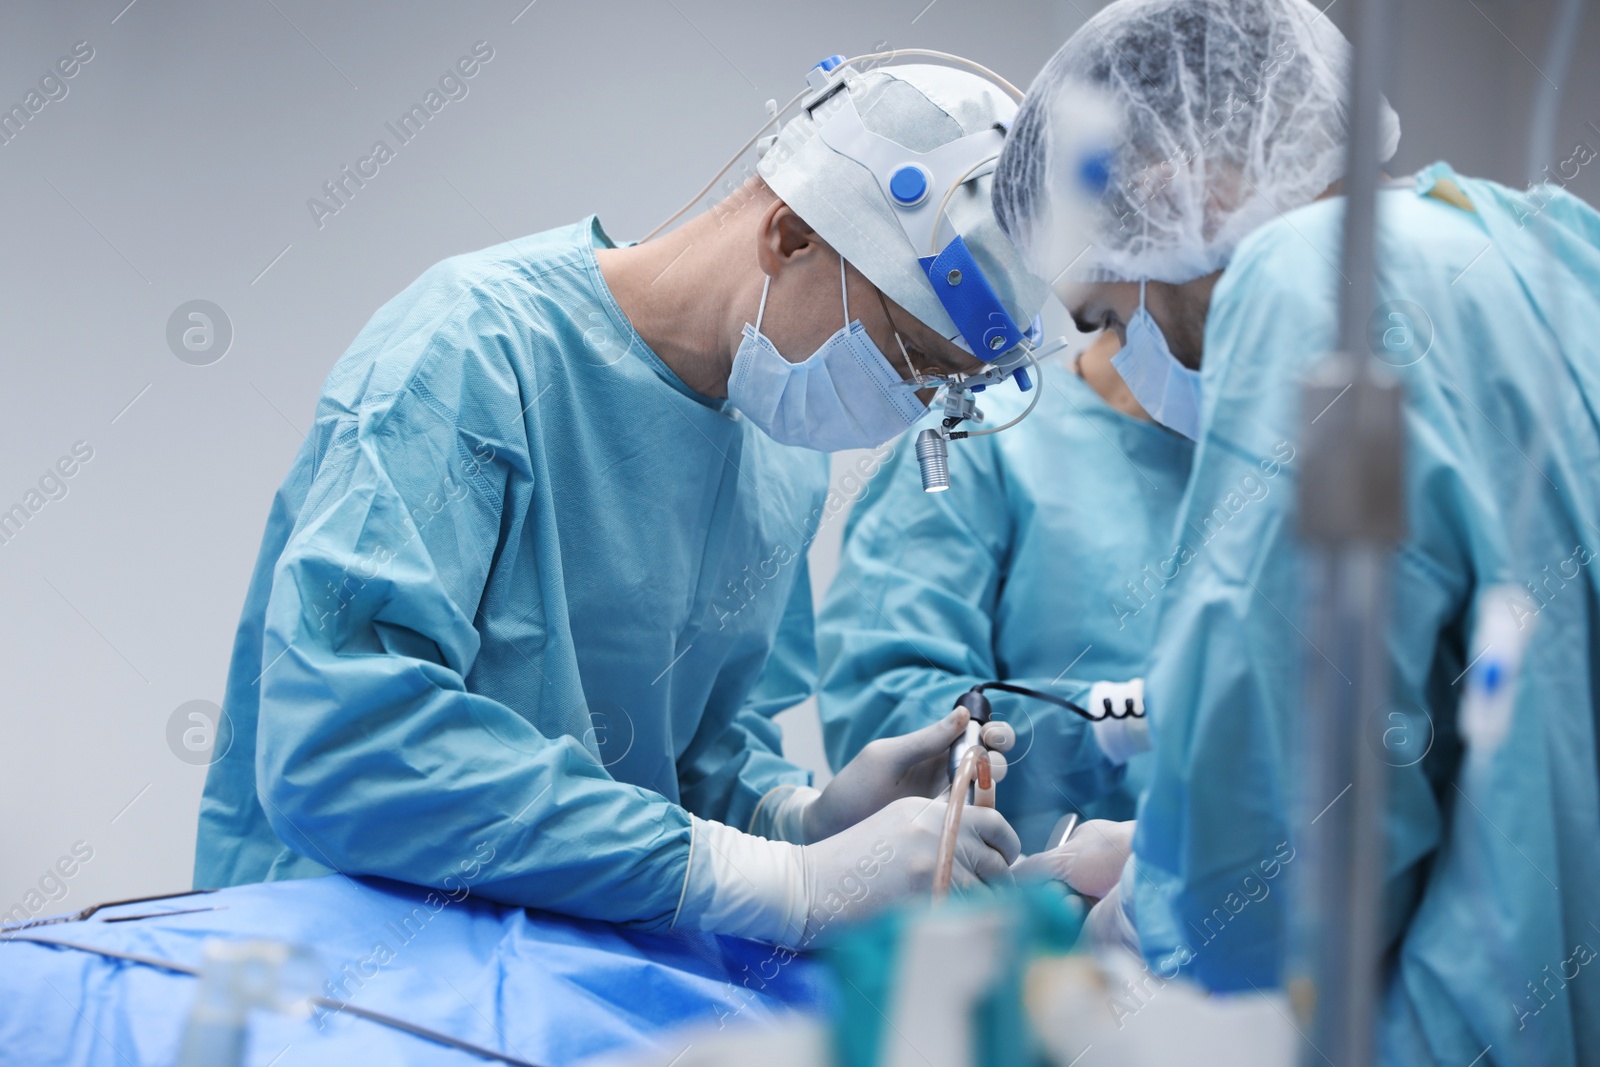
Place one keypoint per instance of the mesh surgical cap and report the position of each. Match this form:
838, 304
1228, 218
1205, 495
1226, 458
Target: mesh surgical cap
1233, 113
922, 107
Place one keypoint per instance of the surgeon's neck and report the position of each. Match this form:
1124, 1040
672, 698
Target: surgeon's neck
679, 291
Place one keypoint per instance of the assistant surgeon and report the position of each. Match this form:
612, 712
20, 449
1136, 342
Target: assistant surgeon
1217, 265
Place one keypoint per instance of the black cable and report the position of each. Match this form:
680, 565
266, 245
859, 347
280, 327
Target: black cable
1109, 712
79, 916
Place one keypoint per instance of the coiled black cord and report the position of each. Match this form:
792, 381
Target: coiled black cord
1107, 710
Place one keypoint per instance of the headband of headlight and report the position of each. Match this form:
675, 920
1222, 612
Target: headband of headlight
918, 186
912, 211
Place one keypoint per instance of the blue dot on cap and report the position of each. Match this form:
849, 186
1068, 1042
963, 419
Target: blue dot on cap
908, 185
1095, 172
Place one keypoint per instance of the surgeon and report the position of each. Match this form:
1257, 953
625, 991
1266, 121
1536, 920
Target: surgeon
536, 582
1043, 565
1216, 263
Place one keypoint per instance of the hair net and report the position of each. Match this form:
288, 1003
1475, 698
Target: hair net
921, 107
1233, 113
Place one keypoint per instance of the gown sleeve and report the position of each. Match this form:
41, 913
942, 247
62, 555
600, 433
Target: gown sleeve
726, 783
373, 756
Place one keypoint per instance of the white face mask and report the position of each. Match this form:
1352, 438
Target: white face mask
1164, 387
844, 395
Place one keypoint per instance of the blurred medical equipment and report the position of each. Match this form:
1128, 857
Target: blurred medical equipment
996, 982
977, 760
925, 233
1352, 516
236, 978
948, 981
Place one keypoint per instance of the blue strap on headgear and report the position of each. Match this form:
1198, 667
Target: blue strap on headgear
970, 300
913, 182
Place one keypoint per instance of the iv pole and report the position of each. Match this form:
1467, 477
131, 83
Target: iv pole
1351, 516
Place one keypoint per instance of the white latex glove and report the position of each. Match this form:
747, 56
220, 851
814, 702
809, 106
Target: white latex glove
890, 856
911, 765
999, 737
1090, 861
1108, 926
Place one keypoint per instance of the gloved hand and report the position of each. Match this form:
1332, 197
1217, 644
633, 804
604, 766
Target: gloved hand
999, 737
911, 765
1108, 926
1090, 861
890, 856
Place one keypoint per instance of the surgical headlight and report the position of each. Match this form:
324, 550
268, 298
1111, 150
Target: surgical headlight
959, 401
919, 186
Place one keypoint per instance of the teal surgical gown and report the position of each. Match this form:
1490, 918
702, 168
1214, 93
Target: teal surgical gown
1489, 314
525, 600
1041, 566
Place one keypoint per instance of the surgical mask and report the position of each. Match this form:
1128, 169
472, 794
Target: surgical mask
1164, 387
844, 395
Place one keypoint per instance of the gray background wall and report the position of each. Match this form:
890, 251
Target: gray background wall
178, 166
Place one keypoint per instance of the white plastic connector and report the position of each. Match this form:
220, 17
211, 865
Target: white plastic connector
1121, 735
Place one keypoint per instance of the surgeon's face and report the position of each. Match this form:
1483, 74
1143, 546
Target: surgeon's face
909, 345
1180, 311
806, 306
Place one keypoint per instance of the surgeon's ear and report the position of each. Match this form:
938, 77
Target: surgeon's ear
784, 238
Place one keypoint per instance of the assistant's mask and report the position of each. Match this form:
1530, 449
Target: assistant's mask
844, 395
1162, 385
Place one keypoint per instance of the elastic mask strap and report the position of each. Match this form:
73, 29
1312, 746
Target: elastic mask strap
844, 291
762, 307
1146, 231
915, 378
